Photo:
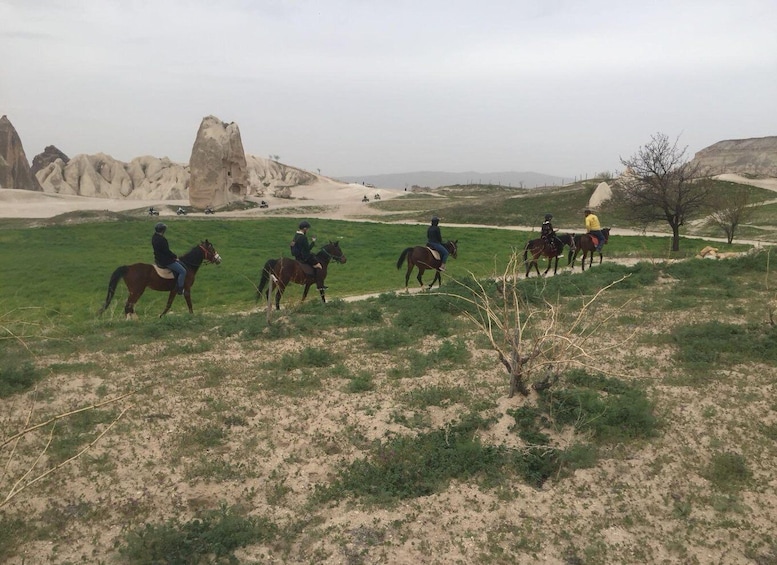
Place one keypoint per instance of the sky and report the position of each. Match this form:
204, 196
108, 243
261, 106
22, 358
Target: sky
360, 87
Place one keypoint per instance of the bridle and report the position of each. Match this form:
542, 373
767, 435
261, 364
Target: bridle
210, 257
338, 258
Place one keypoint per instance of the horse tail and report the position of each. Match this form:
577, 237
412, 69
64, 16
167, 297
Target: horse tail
266, 272
117, 275
526, 250
402, 257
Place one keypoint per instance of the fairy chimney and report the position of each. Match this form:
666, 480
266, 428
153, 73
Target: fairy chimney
14, 167
217, 165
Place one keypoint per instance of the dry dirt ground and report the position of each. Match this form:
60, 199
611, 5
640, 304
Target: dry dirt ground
645, 503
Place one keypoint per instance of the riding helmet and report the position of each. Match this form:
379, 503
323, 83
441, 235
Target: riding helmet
435, 220
304, 224
548, 217
160, 227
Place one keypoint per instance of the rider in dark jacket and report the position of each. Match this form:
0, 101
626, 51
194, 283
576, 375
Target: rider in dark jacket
302, 249
549, 235
434, 240
166, 258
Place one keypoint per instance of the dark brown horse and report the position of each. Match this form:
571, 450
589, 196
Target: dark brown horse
288, 270
585, 243
140, 276
423, 258
542, 248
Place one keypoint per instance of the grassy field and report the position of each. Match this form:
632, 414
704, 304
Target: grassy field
380, 431
67, 265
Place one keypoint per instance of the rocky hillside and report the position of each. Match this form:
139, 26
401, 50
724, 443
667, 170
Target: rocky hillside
755, 156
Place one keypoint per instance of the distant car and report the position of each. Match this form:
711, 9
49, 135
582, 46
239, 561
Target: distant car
180, 211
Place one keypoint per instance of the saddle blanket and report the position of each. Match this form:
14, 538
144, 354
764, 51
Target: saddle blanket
164, 273
435, 253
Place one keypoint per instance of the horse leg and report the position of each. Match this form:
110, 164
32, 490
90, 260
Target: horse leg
132, 299
420, 275
550, 262
435, 278
187, 294
169, 302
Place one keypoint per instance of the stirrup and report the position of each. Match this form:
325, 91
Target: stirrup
442, 268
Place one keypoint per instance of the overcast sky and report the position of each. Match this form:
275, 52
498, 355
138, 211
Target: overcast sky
357, 87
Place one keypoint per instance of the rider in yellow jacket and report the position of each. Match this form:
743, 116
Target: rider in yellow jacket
593, 227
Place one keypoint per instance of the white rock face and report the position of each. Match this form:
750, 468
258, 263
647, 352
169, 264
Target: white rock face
602, 193
218, 165
754, 156
270, 177
102, 176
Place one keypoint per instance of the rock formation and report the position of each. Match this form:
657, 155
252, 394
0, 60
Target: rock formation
102, 176
50, 154
755, 156
601, 194
218, 165
15, 169
266, 176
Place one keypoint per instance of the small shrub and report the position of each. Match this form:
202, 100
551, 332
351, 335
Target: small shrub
17, 378
218, 533
728, 471
360, 383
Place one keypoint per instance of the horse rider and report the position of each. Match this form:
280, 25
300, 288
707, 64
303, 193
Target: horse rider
548, 234
434, 240
301, 249
166, 258
594, 228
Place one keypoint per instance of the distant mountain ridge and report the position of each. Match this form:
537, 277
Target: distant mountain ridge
435, 179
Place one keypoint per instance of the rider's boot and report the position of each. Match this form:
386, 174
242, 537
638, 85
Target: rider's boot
442, 267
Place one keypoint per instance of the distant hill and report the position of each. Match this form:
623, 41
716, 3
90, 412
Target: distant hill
754, 156
434, 179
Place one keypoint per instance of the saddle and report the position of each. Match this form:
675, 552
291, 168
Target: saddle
163, 272
434, 252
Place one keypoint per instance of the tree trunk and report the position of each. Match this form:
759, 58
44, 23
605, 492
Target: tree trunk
675, 237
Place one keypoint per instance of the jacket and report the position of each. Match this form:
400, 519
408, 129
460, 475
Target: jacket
162, 254
300, 246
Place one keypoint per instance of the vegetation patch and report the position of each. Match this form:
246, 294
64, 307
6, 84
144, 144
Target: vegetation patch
15, 378
217, 534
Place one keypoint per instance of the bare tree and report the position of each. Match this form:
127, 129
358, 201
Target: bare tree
731, 209
536, 343
660, 184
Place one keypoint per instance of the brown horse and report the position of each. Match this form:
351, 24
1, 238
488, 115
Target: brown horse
288, 270
140, 276
542, 248
423, 258
585, 243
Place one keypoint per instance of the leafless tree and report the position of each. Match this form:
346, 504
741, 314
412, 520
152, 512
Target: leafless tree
660, 184
536, 343
730, 210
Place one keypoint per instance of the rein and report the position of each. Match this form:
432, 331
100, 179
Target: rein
329, 255
207, 257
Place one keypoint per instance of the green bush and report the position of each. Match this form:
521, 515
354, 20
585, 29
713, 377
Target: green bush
728, 471
717, 343
218, 533
17, 378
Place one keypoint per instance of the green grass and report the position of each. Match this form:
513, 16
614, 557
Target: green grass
217, 533
67, 267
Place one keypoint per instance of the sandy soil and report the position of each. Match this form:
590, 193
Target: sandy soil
324, 200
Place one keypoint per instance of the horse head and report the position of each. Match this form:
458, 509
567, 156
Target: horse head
333, 251
209, 252
606, 232
453, 248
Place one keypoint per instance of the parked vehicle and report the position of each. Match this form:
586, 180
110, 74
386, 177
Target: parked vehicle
181, 211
